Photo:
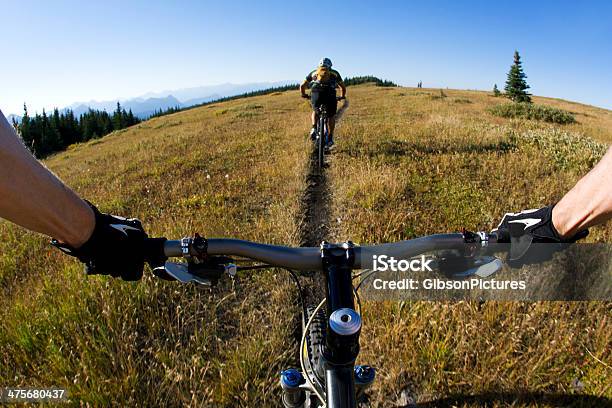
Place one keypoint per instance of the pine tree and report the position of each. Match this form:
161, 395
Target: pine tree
496, 90
131, 120
516, 86
25, 129
50, 140
54, 139
69, 128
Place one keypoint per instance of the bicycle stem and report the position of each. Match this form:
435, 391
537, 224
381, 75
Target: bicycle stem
343, 325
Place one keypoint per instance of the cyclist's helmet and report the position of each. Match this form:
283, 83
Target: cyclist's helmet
325, 62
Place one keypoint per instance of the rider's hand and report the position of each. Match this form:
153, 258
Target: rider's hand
532, 226
116, 247
305, 96
339, 98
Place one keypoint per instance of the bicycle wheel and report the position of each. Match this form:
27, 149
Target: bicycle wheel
321, 144
315, 340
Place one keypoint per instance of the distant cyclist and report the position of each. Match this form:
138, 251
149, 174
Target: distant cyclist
324, 82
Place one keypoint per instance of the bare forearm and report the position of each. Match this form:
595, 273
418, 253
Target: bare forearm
589, 202
34, 198
342, 90
303, 86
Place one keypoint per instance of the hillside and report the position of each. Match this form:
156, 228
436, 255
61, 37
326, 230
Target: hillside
408, 162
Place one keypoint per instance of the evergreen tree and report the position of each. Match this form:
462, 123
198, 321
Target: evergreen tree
496, 90
124, 119
516, 86
25, 128
117, 118
69, 128
55, 141
40, 135
131, 120
50, 140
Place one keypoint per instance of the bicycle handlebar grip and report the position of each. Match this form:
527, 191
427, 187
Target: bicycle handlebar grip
154, 251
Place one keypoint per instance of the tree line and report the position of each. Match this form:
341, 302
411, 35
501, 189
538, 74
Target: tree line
369, 79
45, 134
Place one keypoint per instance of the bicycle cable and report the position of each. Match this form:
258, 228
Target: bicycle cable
299, 287
358, 299
293, 276
367, 273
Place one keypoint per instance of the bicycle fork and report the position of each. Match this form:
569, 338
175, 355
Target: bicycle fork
295, 388
345, 383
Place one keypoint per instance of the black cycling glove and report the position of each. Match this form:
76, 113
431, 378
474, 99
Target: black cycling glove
531, 226
116, 247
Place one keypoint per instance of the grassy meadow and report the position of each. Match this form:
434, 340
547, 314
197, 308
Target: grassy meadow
408, 162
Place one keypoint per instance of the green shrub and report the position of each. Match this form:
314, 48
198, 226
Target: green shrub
532, 111
567, 150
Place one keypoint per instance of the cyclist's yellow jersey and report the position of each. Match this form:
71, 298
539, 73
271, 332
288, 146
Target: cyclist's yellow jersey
323, 77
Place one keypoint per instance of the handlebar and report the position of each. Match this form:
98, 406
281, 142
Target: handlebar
338, 98
309, 258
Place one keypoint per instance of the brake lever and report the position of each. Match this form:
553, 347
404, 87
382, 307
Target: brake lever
205, 274
474, 259
180, 272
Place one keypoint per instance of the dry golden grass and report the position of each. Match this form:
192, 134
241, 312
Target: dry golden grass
408, 163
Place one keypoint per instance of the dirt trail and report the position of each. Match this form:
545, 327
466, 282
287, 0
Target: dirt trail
314, 225
315, 209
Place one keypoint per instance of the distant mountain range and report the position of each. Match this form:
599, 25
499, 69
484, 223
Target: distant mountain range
201, 94
141, 107
145, 105
12, 117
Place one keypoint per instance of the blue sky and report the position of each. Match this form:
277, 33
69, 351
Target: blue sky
57, 54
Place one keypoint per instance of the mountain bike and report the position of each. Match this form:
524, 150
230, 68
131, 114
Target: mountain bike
322, 133
329, 346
